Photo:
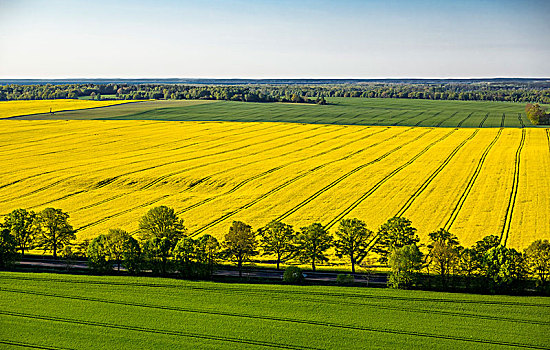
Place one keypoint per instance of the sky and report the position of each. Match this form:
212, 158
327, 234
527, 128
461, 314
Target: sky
274, 39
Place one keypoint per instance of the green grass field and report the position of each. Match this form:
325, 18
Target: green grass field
82, 312
343, 111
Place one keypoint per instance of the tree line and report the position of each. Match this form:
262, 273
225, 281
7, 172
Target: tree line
163, 246
297, 93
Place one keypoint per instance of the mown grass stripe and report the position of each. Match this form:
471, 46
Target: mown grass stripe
470, 184
513, 193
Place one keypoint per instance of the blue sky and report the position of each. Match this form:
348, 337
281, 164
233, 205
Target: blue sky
274, 39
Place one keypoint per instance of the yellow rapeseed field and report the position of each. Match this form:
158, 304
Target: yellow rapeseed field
107, 174
17, 108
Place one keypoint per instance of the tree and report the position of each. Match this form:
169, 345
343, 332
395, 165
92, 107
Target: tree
131, 257
352, 240
162, 222
98, 255
503, 267
156, 252
405, 262
185, 255
161, 229
443, 254
116, 244
8, 248
55, 230
277, 238
468, 264
208, 253
22, 225
240, 243
311, 244
397, 232
538, 261
537, 114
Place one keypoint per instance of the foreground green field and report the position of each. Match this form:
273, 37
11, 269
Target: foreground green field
341, 111
107, 174
83, 312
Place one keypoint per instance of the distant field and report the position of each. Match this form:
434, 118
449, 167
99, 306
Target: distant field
341, 111
81, 312
18, 108
107, 174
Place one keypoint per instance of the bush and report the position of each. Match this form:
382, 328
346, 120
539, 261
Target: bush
343, 279
293, 274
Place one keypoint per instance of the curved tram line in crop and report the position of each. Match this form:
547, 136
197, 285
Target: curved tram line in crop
290, 181
513, 193
232, 314
470, 184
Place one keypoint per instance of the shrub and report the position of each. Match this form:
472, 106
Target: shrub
293, 274
343, 279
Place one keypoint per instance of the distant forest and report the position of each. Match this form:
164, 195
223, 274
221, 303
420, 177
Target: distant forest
512, 91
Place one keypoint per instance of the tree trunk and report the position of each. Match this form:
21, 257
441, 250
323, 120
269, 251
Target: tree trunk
278, 261
352, 265
54, 250
313, 264
240, 265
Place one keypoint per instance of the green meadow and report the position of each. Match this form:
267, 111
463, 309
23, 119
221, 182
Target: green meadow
342, 111
56, 311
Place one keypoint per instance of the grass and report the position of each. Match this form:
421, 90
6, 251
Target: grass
63, 311
341, 111
474, 182
10, 109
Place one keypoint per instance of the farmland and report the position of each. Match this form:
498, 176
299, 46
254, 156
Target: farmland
472, 181
341, 111
17, 108
135, 313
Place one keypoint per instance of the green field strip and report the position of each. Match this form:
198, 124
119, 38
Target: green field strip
513, 193
244, 182
154, 330
456, 210
279, 296
428, 118
308, 172
30, 346
483, 120
521, 120
470, 340
305, 291
367, 194
463, 120
444, 120
432, 176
